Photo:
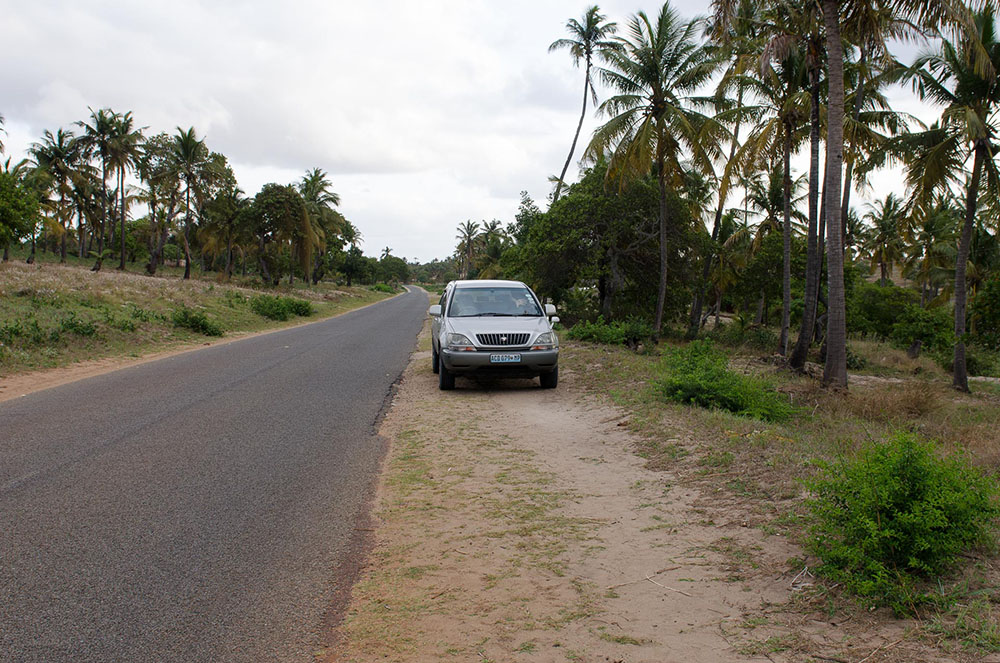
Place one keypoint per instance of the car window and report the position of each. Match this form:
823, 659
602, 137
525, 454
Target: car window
500, 301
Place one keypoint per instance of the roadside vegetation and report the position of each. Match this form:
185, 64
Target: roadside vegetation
53, 315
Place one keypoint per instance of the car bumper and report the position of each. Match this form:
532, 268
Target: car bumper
532, 363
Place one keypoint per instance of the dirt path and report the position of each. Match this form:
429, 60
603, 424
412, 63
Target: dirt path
518, 524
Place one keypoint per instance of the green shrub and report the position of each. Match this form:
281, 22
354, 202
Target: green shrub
978, 360
383, 287
276, 307
738, 335
630, 332
934, 328
872, 309
896, 515
196, 321
985, 314
699, 375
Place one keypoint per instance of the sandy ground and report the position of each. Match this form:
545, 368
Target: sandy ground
518, 524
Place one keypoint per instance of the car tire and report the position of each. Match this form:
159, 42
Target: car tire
435, 360
549, 380
446, 379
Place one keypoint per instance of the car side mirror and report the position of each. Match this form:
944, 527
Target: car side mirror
434, 310
550, 310
554, 319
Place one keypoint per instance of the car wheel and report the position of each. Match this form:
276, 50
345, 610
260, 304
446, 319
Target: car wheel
435, 359
549, 380
446, 379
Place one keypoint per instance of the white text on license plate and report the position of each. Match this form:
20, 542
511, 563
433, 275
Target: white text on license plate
505, 358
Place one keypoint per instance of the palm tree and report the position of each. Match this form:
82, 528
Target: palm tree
59, 156
587, 38
652, 121
468, 234
854, 15
886, 237
190, 154
954, 78
126, 144
351, 234
320, 199
97, 139
930, 254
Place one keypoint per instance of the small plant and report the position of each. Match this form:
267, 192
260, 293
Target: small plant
383, 287
74, 325
276, 307
898, 514
196, 321
698, 375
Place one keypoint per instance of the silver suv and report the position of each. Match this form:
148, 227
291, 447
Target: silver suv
493, 328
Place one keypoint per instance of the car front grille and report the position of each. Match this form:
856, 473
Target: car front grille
500, 340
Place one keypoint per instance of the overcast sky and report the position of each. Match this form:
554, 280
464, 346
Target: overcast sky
424, 114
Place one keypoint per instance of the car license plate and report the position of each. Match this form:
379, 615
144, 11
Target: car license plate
505, 358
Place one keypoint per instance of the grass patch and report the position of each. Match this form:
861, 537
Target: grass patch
699, 375
278, 307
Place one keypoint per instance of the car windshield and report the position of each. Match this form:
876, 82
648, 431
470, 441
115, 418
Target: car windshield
501, 301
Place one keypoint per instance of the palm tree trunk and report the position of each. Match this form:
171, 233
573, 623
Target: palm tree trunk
695, 322
859, 98
835, 370
786, 271
187, 224
576, 136
807, 329
121, 189
662, 294
64, 224
104, 217
960, 379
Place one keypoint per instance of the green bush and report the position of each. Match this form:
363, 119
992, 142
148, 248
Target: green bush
985, 314
934, 328
196, 321
897, 514
978, 360
738, 335
276, 307
872, 309
699, 375
383, 287
630, 332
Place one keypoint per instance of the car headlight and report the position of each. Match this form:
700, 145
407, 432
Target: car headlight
546, 341
460, 343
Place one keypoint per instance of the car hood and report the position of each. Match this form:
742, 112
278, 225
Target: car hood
488, 325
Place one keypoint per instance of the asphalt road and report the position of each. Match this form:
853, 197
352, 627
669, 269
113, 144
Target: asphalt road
203, 507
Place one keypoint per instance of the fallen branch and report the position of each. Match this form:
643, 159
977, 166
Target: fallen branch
632, 582
879, 648
665, 587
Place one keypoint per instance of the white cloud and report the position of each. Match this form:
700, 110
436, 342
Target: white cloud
424, 113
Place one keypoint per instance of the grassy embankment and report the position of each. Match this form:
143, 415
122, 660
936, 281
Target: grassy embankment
758, 468
53, 315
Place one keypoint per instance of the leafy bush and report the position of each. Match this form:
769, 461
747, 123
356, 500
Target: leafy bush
978, 360
630, 332
932, 327
737, 334
986, 314
872, 309
276, 307
196, 321
698, 375
897, 514
383, 287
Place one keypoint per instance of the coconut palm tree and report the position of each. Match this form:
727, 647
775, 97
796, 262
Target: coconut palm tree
190, 155
954, 77
126, 144
885, 238
930, 253
96, 140
468, 239
653, 118
588, 37
59, 156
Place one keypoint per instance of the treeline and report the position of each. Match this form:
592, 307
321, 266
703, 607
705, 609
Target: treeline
701, 120
75, 195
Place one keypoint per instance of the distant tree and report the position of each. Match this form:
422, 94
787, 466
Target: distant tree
126, 145
653, 124
97, 140
59, 156
18, 210
190, 154
587, 38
